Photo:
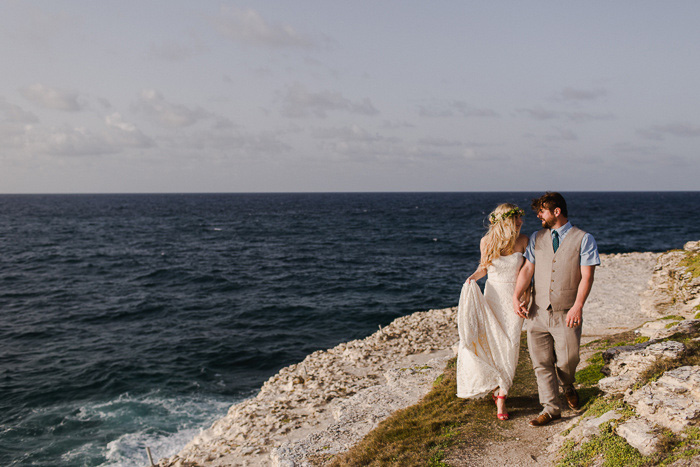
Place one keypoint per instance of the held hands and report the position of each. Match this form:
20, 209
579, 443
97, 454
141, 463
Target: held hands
574, 316
520, 307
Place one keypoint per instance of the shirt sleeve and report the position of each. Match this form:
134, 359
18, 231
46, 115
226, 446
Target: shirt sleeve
589, 251
530, 250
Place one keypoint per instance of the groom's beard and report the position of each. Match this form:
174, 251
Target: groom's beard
548, 224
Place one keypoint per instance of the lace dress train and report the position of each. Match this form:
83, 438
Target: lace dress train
489, 331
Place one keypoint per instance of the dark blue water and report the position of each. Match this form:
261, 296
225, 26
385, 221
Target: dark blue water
134, 320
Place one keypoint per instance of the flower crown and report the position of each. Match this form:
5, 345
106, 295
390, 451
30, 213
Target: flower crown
514, 212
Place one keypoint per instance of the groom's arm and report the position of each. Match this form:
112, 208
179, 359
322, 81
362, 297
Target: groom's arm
521, 284
574, 315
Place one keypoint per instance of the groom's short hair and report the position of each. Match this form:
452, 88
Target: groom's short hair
550, 201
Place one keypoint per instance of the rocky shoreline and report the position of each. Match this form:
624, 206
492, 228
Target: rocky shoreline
329, 401
671, 403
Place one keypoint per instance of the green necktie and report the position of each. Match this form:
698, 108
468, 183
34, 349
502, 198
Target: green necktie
555, 240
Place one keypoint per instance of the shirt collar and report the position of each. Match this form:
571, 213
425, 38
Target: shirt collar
563, 229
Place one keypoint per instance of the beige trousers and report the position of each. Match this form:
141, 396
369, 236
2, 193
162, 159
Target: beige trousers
554, 350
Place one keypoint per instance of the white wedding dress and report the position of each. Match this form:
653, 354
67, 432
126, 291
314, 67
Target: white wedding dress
489, 331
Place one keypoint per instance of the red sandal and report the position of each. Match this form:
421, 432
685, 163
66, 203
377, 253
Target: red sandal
501, 416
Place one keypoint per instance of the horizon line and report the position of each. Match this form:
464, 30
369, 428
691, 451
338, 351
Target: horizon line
328, 192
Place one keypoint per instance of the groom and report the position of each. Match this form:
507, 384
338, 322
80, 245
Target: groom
562, 259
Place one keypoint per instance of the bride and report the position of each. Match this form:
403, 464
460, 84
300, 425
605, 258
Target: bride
489, 330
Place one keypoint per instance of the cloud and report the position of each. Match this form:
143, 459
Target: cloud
562, 134
230, 143
52, 98
362, 150
440, 142
682, 130
123, 134
635, 155
539, 114
453, 108
298, 102
248, 27
588, 117
14, 114
81, 141
577, 117
112, 137
167, 114
570, 94
351, 133
67, 141
630, 148
395, 124
174, 52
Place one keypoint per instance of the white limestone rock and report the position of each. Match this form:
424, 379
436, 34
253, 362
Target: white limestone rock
640, 434
308, 397
654, 329
660, 329
617, 384
673, 289
627, 363
590, 426
693, 247
673, 401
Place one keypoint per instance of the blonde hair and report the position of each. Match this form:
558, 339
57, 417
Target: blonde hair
502, 233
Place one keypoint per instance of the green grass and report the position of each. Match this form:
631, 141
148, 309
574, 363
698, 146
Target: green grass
608, 447
424, 433
591, 374
676, 317
692, 263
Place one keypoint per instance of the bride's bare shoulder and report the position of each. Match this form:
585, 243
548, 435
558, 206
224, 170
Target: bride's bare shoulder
521, 243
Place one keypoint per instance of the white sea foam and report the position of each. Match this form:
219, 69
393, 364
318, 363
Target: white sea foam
130, 449
164, 424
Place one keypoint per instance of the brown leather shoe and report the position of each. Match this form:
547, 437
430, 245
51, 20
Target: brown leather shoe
544, 419
572, 398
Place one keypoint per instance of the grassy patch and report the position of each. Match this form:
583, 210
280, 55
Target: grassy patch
675, 317
684, 445
608, 447
420, 434
591, 374
423, 434
641, 340
600, 405
692, 263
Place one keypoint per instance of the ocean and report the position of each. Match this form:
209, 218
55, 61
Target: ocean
129, 321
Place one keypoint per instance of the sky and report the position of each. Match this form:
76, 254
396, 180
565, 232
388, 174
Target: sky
326, 95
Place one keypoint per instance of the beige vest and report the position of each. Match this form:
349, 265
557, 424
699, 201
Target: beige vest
557, 275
